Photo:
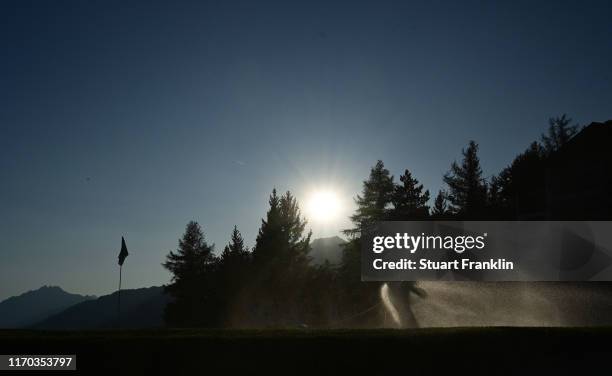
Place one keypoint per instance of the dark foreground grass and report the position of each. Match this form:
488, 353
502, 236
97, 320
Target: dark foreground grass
424, 351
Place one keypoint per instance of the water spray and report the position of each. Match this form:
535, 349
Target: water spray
386, 298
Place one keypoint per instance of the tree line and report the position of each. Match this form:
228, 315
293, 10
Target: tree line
274, 284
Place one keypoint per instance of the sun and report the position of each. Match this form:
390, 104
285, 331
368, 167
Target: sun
323, 206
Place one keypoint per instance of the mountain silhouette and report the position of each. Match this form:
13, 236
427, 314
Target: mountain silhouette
326, 249
31, 307
140, 308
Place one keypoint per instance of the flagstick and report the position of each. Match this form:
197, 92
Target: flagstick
119, 299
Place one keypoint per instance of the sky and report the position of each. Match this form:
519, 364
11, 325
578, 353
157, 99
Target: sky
125, 118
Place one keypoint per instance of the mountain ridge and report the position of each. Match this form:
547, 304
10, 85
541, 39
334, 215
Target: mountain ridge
327, 249
140, 308
34, 305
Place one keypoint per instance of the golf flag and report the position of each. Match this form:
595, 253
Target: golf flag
124, 252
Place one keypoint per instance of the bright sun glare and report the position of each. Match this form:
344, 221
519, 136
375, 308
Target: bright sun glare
323, 206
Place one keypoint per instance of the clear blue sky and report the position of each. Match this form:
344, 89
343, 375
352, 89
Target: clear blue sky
132, 118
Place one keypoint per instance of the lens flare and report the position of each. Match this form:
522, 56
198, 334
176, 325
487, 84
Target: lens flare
323, 206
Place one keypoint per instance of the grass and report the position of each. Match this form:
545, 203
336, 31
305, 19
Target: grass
494, 350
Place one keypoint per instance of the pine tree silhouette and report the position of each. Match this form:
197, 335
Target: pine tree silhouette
467, 190
235, 251
440, 208
192, 267
232, 276
374, 201
519, 190
560, 131
281, 264
409, 200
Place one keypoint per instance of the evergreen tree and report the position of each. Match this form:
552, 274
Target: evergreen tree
192, 267
409, 200
268, 238
496, 201
467, 190
374, 201
380, 200
234, 267
519, 189
235, 251
281, 235
292, 227
559, 132
440, 208
281, 263
372, 205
